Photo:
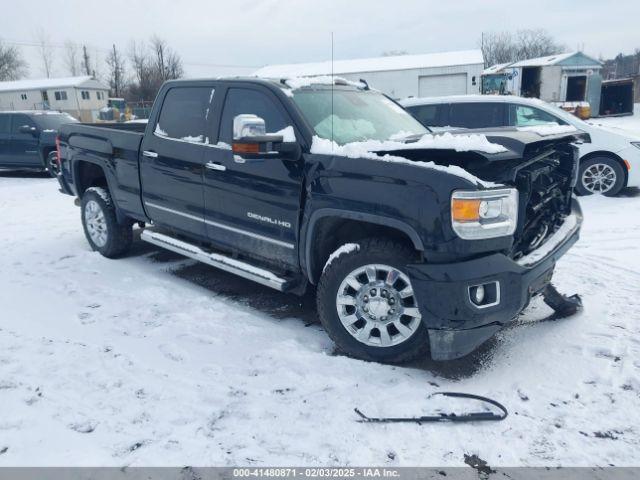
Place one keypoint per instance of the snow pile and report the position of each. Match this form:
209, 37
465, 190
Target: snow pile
567, 227
366, 149
547, 129
195, 139
344, 249
288, 134
445, 141
295, 83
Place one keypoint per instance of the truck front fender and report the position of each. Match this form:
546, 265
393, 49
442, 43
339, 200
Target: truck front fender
309, 231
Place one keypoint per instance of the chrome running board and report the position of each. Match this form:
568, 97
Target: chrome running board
217, 260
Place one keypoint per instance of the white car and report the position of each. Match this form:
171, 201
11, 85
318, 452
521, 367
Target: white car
609, 163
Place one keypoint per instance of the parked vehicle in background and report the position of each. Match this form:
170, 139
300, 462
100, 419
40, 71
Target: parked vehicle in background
28, 139
609, 163
416, 242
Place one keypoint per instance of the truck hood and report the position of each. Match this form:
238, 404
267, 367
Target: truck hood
520, 147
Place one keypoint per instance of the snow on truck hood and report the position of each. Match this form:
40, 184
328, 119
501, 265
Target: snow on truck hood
446, 141
494, 145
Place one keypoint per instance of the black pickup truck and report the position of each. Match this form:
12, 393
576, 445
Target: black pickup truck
27, 139
416, 243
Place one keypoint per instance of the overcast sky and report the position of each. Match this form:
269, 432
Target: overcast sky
253, 33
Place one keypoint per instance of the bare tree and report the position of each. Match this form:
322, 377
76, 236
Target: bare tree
143, 85
72, 58
507, 47
159, 47
536, 43
498, 47
173, 66
116, 64
168, 63
46, 52
12, 65
152, 65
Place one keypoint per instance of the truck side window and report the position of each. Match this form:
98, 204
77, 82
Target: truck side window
477, 115
5, 123
241, 100
19, 121
524, 115
184, 114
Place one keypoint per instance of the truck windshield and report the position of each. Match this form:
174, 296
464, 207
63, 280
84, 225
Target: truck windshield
355, 115
52, 121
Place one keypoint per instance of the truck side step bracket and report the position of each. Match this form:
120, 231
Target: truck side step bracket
217, 260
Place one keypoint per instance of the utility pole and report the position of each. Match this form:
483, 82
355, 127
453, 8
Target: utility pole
85, 57
116, 71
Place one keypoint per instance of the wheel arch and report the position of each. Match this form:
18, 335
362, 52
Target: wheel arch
329, 228
88, 173
612, 156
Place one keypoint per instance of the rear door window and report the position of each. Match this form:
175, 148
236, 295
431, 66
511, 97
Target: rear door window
524, 116
477, 115
20, 120
185, 114
428, 115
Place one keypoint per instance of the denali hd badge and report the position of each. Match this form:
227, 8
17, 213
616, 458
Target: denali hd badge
270, 220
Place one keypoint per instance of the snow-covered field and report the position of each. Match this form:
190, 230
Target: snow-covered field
630, 123
155, 360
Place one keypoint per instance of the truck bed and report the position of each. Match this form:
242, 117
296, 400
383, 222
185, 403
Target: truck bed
120, 143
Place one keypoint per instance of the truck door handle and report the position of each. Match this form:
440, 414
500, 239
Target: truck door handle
215, 166
150, 154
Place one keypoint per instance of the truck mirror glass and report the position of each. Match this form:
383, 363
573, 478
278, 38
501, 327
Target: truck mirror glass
248, 125
27, 129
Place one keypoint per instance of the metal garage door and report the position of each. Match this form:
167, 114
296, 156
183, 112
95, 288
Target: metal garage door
441, 85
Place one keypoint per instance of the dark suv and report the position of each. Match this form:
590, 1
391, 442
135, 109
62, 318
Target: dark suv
28, 139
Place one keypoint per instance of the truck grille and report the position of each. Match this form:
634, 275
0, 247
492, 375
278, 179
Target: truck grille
545, 182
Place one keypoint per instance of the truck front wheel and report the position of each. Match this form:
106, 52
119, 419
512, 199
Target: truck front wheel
367, 305
101, 226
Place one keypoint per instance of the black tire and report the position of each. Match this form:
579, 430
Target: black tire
611, 165
118, 236
52, 164
371, 251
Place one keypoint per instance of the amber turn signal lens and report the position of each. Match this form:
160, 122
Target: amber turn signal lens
463, 210
246, 148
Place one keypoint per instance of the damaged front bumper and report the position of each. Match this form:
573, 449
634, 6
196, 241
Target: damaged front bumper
456, 321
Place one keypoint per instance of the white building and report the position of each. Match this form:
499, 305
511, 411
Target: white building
429, 75
81, 97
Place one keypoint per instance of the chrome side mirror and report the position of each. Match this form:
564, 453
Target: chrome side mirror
27, 129
248, 125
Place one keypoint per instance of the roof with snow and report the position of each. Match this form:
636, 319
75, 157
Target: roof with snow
45, 83
376, 64
496, 68
564, 59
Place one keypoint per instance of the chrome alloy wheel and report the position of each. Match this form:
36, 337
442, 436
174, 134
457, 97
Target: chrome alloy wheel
96, 223
599, 178
377, 306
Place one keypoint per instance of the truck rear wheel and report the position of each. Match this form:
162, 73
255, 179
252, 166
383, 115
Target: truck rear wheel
52, 164
101, 226
367, 305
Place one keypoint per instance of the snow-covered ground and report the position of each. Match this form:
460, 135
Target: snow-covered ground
630, 122
155, 360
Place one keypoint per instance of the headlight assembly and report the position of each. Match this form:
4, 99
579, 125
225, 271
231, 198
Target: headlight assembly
481, 214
